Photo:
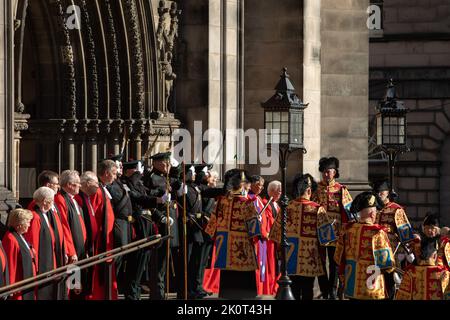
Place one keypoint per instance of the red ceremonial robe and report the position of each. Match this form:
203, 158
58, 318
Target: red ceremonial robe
91, 235
271, 286
73, 226
4, 275
58, 231
104, 241
41, 238
211, 279
262, 284
21, 263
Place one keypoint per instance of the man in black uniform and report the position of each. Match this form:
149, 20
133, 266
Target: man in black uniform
138, 261
194, 233
158, 182
205, 180
123, 210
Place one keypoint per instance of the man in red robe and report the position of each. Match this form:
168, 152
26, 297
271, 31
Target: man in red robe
89, 187
72, 220
104, 285
274, 192
262, 281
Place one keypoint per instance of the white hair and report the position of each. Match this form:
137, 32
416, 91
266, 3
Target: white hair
67, 177
273, 185
43, 193
214, 173
88, 176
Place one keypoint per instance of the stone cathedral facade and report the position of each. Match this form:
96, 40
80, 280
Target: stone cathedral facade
80, 75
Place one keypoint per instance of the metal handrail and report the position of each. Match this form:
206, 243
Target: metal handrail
82, 264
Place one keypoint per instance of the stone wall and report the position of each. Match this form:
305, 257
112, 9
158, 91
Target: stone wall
415, 52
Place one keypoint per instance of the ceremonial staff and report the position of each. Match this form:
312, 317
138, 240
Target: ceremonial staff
185, 233
168, 233
168, 222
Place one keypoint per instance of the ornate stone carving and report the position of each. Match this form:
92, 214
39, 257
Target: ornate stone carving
115, 63
69, 86
137, 58
20, 107
166, 35
92, 63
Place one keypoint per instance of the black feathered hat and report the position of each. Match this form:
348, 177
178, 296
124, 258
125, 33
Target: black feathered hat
380, 185
234, 177
367, 199
329, 163
303, 182
431, 220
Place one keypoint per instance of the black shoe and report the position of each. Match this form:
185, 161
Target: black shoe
333, 294
203, 291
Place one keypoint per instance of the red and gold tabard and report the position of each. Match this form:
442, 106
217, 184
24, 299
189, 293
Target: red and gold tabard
336, 200
424, 283
234, 225
362, 253
444, 253
394, 219
303, 257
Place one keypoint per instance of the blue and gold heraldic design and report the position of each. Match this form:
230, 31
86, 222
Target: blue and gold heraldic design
253, 227
292, 255
221, 250
326, 234
350, 277
383, 258
405, 232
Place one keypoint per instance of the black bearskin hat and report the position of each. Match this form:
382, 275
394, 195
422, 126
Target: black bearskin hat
329, 163
366, 199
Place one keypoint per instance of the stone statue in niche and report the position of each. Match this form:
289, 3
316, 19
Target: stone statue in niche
167, 33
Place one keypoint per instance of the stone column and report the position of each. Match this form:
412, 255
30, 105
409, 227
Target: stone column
7, 150
312, 86
223, 77
344, 88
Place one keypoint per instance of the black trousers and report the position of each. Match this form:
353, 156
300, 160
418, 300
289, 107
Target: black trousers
302, 287
194, 270
122, 237
158, 277
329, 281
390, 285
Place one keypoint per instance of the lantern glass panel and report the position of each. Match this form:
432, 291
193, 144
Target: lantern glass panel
379, 129
285, 128
296, 128
268, 116
276, 116
401, 135
285, 116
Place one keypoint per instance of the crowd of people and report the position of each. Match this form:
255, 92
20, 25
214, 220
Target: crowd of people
231, 241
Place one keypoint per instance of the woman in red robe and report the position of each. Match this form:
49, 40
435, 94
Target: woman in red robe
41, 237
20, 256
4, 276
